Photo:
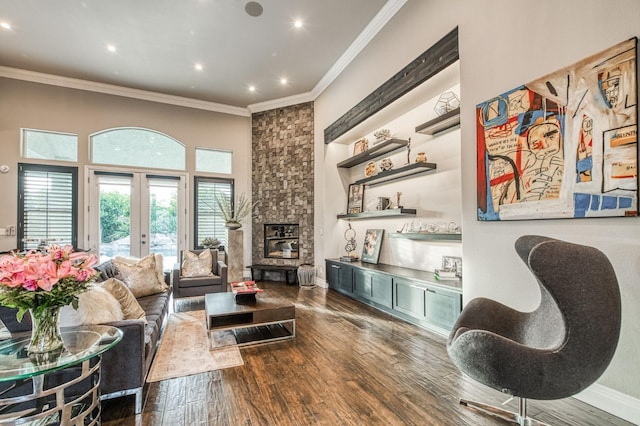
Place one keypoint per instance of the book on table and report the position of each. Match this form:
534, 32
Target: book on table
245, 287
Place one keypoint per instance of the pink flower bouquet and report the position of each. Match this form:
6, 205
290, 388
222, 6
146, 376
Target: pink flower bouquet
39, 280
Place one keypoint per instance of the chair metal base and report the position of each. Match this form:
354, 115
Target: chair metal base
519, 418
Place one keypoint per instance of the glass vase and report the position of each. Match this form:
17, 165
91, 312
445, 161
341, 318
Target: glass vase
45, 332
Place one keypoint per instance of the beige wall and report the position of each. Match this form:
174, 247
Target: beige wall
503, 43
39, 106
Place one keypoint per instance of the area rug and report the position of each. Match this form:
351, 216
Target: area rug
184, 349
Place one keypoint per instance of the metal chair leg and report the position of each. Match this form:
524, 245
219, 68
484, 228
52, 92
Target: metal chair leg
519, 418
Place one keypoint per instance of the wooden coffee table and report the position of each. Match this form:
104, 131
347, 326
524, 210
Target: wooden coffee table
269, 319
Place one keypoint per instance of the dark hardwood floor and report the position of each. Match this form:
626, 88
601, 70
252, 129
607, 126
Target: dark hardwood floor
348, 365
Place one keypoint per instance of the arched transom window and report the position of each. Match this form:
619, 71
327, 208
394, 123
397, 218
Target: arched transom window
132, 146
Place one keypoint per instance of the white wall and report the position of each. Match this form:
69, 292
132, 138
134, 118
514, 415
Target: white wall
503, 43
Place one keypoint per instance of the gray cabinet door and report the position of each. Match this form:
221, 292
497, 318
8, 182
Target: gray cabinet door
339, 277
333, 274
409, 298
362, 284
442, 307
382, 289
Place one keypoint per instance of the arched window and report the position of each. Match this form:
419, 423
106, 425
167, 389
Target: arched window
132, 146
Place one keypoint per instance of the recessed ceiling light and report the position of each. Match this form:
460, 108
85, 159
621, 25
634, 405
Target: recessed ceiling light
283, 81
198, 66
252, 88
298, 23
111, 48
5, 25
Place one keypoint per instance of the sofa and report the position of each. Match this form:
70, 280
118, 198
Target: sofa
126, 365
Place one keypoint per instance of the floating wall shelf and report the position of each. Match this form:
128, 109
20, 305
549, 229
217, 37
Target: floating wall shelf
378, 214
377, 150
427, 237
399, 173
441, 123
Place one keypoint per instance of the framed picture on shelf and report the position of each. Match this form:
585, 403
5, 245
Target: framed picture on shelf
361, 146
355, 199
371, 247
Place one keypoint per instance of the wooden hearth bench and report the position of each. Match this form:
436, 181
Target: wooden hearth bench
286, 269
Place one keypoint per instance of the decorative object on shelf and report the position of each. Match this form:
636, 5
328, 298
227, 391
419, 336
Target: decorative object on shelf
372, 244
350, 247
452, 263
421, 157
540, 178
234, 213
409, 151
382, 135
453, 228
383, 203
42, 282
448, 101
386, 164
210, 242
370, 169
355, 200
398, 195
361, 146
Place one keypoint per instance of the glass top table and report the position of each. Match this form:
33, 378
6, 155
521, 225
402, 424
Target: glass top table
80, 343
59, 387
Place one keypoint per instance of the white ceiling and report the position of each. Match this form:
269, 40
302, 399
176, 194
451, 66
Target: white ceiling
159, 41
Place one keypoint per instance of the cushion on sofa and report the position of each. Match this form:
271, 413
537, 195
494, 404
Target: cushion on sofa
131, 309
95, 306
140, 275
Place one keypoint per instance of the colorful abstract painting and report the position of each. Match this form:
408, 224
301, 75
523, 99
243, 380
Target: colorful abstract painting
564, 145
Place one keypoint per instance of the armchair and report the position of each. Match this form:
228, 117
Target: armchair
558, 349
199, 285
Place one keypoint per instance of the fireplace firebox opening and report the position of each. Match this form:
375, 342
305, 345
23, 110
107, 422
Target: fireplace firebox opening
281, 240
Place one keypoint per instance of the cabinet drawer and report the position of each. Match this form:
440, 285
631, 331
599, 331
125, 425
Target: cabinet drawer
409, 298
442, 307
382, 289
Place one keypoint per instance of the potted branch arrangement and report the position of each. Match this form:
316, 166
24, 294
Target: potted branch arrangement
234, 214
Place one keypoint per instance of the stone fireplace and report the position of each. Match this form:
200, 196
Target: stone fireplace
282, 185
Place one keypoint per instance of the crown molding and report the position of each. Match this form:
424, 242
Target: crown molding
281, 102
378, 22
110, 89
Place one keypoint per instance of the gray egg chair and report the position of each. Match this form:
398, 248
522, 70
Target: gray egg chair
553, 352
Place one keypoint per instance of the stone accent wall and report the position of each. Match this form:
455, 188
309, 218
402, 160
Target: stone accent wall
282, 176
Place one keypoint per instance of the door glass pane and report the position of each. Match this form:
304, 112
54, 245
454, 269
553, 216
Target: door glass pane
163, 219
115, 216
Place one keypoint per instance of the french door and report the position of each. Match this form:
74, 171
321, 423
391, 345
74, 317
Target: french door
133, 214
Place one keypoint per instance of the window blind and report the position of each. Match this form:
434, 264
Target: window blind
209, 221
47, 206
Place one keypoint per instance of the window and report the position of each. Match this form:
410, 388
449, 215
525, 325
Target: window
209, 222
47, 207
213, 160
137, 147
49, 145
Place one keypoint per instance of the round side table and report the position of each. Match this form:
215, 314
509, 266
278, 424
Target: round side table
56, 388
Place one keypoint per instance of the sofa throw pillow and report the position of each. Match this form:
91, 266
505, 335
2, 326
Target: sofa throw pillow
95, 306
131, 309
141, 277
196, 265
159, 265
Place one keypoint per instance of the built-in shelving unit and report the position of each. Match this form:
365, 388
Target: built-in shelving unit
432, 236
396, 174
378, 214
440, 124
376, 151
